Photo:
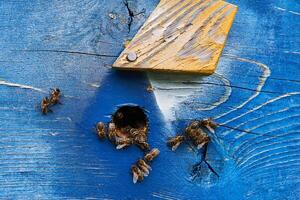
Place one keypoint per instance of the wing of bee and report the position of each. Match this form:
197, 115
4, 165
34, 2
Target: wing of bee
135, 178
199, 146
145, 171
121, 146
175, 146
148, 167
210, 129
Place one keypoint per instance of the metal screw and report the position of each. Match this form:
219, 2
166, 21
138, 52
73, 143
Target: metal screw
131, 57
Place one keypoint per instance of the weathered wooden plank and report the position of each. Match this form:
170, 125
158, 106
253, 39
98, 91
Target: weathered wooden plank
180, 36
254, 94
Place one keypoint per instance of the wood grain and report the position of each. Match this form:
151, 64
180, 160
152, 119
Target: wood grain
181, 36
254, 94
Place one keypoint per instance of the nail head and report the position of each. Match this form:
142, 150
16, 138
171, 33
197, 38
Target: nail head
131, 57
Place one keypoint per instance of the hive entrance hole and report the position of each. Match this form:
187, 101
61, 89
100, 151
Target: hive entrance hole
130, 116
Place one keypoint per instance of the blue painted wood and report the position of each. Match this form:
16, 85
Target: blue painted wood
71, 45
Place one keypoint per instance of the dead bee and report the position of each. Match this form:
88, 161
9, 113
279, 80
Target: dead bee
209, 124
45, 106
174, 142
144, 167
55, 96
137, 174
112, 132
100, 128
151, 155
122, 142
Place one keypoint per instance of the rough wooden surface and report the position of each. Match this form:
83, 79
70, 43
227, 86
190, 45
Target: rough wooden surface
181, 36
254, 93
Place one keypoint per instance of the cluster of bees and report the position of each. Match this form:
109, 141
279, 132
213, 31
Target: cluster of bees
196, 133
142, 166
53, 99
125, 137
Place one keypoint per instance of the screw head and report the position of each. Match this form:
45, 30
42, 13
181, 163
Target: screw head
131, 56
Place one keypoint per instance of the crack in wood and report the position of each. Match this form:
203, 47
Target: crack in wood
69, 52
131, 14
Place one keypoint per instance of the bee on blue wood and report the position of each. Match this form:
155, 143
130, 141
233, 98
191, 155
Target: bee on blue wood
100, 129
45, 105
209, 124
112, 132
195, 133
175, 142
140, 170
123, 142
144, 167
55, 96
143, 145
151, 155
140, 138
137, 174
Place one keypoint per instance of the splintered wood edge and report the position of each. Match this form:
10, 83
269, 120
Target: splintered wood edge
211, 13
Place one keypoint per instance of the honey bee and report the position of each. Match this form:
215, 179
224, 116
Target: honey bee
201, 141
122, 142
174, 142
55, 96
193, 125
144, 167
100, 128
45, 106
112, 132
140, 138
137, 174
150, 88
209, 124
196, 134
138, 134
151, 155
143, 145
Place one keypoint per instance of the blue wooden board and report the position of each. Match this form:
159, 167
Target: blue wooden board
254, 95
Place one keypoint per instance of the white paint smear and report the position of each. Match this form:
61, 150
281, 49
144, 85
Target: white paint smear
10, 84
172, 90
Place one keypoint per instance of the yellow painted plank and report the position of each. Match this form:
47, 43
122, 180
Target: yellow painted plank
180, 36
